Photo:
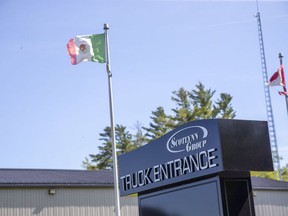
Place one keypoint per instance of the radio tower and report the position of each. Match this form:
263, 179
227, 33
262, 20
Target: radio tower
270, 119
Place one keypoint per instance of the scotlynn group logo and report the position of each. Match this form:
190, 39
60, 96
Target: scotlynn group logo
187, 139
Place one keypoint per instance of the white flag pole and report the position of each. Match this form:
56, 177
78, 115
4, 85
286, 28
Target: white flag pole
114, 152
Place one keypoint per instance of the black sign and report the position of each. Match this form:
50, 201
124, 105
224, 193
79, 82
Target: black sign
190, 151
193, 150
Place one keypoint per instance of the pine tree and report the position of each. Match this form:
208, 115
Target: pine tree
103, 160
160, 125
198, 104
223, 107
123, 140
201, 100
183, 112
190, 105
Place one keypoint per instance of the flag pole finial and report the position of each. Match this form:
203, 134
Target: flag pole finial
281, 57
106, 26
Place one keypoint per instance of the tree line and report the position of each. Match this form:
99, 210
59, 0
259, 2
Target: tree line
195, 104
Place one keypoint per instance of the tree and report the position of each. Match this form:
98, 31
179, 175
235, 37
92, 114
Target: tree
274, 174
183, 112
190, 105
285, 173
103, 160
198, 104
161, 124
223, 107
124, 140
201, 100
262, 174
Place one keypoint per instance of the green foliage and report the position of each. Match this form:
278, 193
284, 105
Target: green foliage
161, 124
201, 101
103, 160
284, 173
123, 140
183, 112
87, 164
198, 104
190, 105
273, 175
224, 108
270, 175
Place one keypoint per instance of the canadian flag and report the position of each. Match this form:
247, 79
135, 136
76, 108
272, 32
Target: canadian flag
278, 79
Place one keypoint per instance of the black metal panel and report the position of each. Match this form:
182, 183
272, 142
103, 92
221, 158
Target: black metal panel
201, 198
245, 145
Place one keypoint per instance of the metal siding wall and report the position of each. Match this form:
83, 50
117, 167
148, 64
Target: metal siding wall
66, 202
271, 202
129, 206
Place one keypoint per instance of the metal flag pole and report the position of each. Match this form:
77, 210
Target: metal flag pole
114, 152
284, 87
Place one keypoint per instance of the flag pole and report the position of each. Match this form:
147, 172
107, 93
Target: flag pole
114, 152
284, 87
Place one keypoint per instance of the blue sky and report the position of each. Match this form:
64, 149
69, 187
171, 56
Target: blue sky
51, 112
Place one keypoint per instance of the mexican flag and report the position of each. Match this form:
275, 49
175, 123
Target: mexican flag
87, 48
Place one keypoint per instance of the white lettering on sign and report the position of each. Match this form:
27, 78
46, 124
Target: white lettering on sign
194, 140
196, 162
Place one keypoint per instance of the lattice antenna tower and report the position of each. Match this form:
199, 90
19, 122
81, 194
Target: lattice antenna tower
270, 118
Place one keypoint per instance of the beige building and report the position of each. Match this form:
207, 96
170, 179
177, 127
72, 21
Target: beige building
60, 193
270, 197
28, 192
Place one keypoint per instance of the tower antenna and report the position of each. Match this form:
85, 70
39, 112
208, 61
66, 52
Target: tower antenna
270, 118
